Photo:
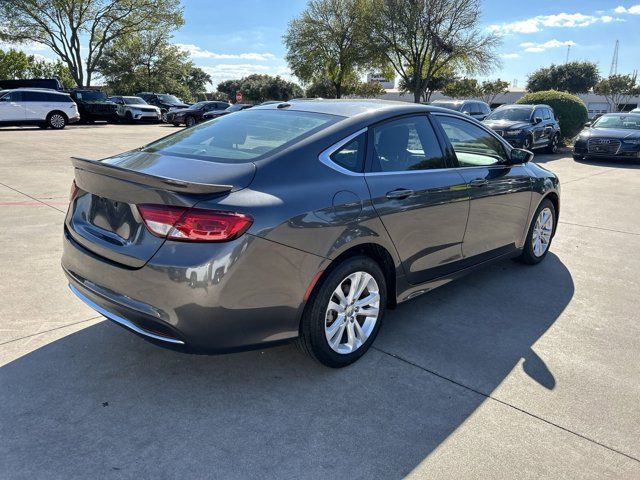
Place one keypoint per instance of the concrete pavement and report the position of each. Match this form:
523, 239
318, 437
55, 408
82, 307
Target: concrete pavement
511, 372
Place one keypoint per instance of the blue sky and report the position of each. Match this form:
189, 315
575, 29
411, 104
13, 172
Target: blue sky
232, 39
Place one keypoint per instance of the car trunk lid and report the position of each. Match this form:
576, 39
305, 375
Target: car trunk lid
104, 218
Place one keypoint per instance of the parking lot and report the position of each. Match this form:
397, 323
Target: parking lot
511, 372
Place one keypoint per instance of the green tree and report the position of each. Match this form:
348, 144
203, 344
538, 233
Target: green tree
77, 28
230, 88
423, 38
321, 88
328, 41
463, 88
149, 62
618, 89
490, 89
435, 83
572, 77
368, 89
15, 64
259, 88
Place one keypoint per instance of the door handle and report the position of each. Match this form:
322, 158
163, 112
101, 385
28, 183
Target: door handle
399, 194
479, 182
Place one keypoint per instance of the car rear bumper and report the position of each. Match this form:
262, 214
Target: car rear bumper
202, 298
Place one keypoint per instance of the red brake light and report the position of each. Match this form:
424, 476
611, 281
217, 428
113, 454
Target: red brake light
74, 191
193, 224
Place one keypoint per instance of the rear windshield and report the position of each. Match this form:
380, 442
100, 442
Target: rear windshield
242, 136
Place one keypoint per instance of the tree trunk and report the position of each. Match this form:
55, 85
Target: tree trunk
338, 88
416, 96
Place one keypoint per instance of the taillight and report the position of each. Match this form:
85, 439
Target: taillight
74, 191
193, 224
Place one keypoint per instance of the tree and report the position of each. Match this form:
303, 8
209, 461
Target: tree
436, 83
149, 62
73, 28
422, 38
230, 88
489, 90
618, 89
368, 89
321, 88
463, 88
328, 41
572, 77
260, 88
15, 64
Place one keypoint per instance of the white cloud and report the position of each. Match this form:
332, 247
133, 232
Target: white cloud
560, 20
508, 56
197, 52
541, 47
633, 10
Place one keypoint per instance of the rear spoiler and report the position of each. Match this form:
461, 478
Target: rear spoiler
164, 183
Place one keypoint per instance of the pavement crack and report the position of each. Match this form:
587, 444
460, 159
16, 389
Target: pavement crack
32, 198
599, 228
466, 387
50, 330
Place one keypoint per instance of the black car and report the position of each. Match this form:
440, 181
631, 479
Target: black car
474, 108
94, 105
236, 107
195, 113
49, 83
611, 135
163, 101
299, 220
526, 126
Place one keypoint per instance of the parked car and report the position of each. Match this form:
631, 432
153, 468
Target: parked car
474, 108
613, 135
312, 234
135, 109
526, 126
48, 83
42, 107
94, 105
236, 107
194, 114
163, 101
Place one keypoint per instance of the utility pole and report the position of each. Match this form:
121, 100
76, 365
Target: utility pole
568, 50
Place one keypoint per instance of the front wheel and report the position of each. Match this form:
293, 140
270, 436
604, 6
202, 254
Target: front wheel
527, 143
540, 234
553, 144
163, 116
57, 120
190, 122
344, 313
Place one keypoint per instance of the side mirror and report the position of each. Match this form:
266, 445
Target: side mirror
588, 124
537, 120
519, 156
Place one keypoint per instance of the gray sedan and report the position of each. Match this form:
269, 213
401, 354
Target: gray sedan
302, 220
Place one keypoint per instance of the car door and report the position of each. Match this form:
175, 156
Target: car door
421, 200
539, 129
500, 194
36, 105
12, 107
549, 121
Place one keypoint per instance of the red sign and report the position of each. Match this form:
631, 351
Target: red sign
238, 96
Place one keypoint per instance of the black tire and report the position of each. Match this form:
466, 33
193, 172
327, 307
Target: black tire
163, 116
57, 120
312, 338
553, 144
527, 144
528, 256
128, 117
175, 124
189, 121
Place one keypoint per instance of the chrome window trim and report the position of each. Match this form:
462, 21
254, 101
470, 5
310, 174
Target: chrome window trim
325, 156
122, 321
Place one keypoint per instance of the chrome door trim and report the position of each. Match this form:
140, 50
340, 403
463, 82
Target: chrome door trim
325, 156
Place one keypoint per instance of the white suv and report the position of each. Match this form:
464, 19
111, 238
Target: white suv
37, 106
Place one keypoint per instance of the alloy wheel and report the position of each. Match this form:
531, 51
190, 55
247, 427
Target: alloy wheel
352, 313
554, 144
57, 120
164, 117
190, 122
542, 231
526, 144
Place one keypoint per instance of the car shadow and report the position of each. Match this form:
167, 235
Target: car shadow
102, 402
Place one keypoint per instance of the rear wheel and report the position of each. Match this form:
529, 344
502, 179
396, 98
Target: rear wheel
190, 121
56, 120
128, 117
540, 234
553, 144
163, 116
344, 313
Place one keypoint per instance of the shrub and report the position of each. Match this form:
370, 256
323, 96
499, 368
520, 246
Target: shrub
569, 109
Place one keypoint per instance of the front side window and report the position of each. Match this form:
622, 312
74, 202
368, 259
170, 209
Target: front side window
12, 97
238, 138
351, 155
406, 144
546, 114
473, 145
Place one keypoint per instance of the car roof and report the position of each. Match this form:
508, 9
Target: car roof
352, 107
34, 89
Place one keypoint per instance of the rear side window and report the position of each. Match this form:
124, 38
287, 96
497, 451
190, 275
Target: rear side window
53, 97
473, 145
351, 156
35, 97
243, 136
406, 144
